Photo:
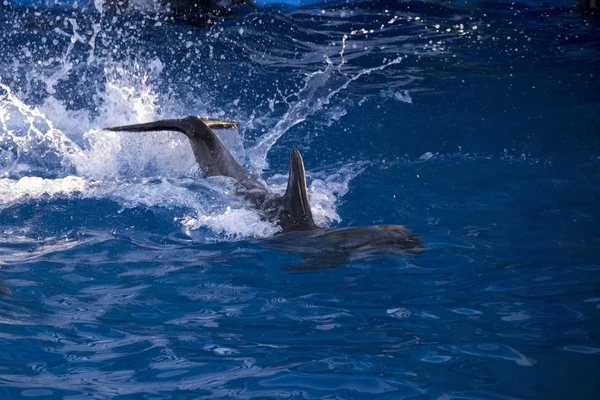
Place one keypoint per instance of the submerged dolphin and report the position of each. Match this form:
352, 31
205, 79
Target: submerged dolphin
292, 210
4, 290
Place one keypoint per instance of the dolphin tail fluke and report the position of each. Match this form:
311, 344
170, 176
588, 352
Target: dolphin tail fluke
185, 125
297, 214
211, 154
178, 125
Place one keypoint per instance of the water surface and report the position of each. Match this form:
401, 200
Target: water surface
475, 125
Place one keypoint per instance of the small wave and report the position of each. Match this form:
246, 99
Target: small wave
493, 350
33, 187
232, 224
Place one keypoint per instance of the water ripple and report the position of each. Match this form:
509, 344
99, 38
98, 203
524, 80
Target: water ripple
493, 350
321, 385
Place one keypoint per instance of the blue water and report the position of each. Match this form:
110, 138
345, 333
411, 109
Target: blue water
473, 124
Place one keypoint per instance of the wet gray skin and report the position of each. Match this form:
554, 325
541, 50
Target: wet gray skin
292, 210
334, 247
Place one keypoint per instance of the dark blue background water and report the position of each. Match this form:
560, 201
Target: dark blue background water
132, 277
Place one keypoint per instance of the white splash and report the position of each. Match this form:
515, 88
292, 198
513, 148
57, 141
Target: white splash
318, 90
232, 224
325, 192
27, 130
128, 96
153, 169
15, 191
65, 64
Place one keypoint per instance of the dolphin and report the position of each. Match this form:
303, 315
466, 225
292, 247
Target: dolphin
333, 247
4, 290
292, 210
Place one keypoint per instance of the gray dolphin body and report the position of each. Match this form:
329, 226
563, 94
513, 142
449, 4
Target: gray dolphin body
292, 210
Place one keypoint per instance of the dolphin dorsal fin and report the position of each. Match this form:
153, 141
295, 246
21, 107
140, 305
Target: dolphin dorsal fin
296, 215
